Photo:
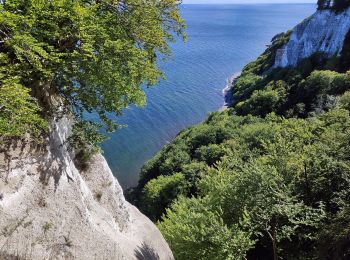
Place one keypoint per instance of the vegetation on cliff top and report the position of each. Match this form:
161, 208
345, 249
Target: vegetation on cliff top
268, 178
93, 54
337, 5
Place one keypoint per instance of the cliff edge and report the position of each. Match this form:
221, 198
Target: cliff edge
51, 210
324, 32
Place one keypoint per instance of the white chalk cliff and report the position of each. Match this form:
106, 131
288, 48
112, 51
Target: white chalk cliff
51, 210
324, 32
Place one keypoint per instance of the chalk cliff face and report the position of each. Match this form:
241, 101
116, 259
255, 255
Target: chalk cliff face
325, 4
323, 32
51, 210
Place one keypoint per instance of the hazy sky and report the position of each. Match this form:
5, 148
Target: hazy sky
245, 1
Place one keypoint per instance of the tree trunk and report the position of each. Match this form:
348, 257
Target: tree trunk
274, 245
273, 239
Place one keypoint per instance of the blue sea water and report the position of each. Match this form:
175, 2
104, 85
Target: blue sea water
221, 40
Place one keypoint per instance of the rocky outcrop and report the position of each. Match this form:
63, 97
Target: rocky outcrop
324, 32
337, 5
325, 4
51, 210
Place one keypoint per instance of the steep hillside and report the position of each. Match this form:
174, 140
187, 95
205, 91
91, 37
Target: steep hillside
269, 177
324, 32
49, 209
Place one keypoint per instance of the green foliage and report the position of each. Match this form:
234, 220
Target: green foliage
290, 91
210, 154
160, 192
284, 178
19, 112
336, 237
264, 62
193, 172
263, 192
344, 101
245, 86
267, 179
263, 102
173, 161
320, 86
202, 234
325, 82
83, 140
94, 54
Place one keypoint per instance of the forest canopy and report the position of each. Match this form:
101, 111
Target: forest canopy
267, 178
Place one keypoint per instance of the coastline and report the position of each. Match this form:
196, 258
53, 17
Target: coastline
227, 91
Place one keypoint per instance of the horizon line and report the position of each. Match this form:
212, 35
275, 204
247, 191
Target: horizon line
266, 3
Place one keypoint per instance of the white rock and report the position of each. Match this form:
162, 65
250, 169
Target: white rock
324, 32
50, 210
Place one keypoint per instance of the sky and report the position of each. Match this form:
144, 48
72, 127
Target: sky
245, 1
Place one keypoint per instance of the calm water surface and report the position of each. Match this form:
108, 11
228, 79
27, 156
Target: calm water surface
221, 40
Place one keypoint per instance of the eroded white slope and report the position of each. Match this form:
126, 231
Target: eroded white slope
51, 210
325, 32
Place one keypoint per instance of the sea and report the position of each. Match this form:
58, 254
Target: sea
222, 39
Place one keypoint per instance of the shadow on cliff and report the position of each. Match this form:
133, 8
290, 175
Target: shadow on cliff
55, 165
145, 252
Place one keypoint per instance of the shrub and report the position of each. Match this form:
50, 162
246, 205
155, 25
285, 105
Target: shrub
210, 154
196, 230
160, 192
261, 102
19, 112
245, 86
344, 101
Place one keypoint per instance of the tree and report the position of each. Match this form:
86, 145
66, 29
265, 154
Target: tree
344, 101
318, 90
210, 154
19, 113
195, 229
261, 102
95, 54
245, 86
160, 192
240, 204
263, 192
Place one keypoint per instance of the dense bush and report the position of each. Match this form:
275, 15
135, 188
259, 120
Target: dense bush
280, 182
19, 113
344, 101
160, 192
265, 101
245, 86
284, 90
